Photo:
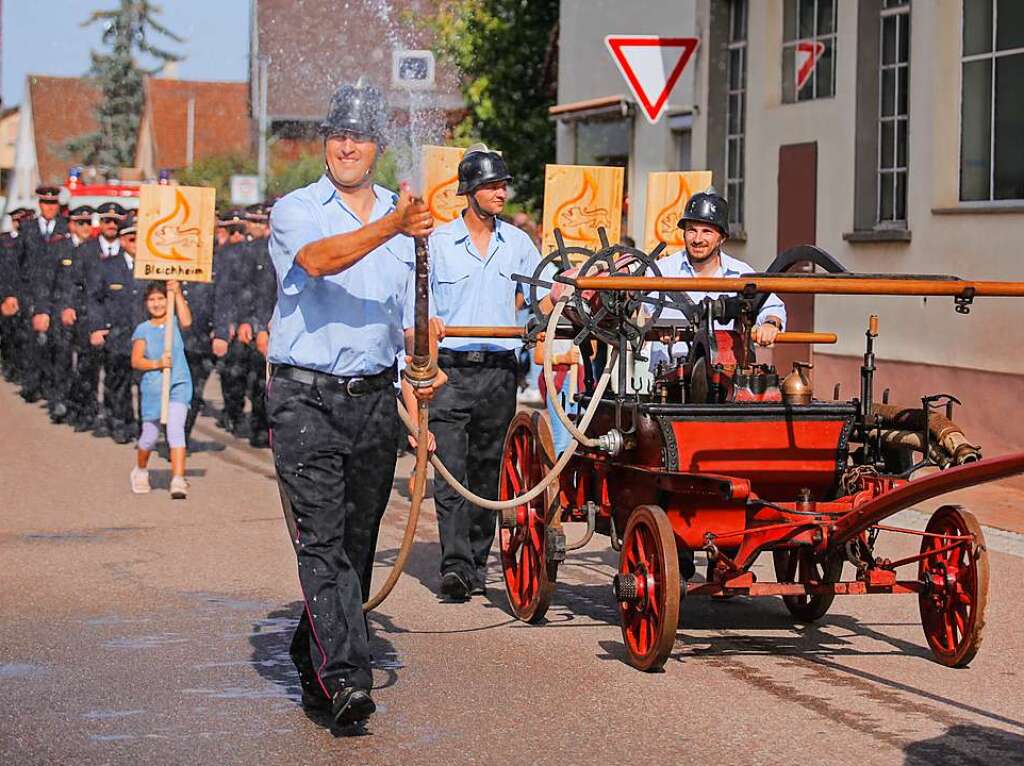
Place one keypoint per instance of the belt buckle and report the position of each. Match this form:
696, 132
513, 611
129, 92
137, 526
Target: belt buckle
352, 385
477, 357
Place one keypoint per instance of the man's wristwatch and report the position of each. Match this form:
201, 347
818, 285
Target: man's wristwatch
774, 322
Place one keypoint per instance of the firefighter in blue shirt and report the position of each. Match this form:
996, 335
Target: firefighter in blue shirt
472, 261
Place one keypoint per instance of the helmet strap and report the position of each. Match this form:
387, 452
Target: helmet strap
479, 211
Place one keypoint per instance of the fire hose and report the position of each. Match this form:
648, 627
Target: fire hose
421, 373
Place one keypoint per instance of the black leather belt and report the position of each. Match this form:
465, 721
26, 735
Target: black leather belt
449, 358
353, 386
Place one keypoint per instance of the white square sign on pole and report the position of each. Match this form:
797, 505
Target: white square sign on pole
245, 190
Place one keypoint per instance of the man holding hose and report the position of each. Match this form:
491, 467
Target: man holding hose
473, 259
343, 253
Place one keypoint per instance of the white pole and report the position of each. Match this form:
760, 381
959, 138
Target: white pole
261, 89
190, 132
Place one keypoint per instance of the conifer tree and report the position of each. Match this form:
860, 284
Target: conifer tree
127, 32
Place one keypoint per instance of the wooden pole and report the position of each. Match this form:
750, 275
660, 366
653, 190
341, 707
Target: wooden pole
837, 285
511, 331
165, 391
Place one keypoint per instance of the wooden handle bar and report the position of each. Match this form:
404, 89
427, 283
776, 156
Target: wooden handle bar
483, 331
818, 285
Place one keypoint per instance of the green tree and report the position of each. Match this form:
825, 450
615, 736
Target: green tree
506, 51
127, 32
216, 172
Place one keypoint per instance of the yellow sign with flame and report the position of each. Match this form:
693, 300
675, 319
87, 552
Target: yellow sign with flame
441, 181
667, 195
175, 233
579, 200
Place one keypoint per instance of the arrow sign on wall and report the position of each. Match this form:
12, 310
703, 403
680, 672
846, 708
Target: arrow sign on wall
651, 66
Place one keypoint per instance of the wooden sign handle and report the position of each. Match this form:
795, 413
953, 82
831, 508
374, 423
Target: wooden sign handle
165, 390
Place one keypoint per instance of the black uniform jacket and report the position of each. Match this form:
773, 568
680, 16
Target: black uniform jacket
39, 262
116, 303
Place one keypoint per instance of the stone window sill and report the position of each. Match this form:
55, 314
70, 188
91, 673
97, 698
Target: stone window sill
983, 208
877, 235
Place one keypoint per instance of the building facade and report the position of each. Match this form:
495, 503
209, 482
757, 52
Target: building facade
886, 132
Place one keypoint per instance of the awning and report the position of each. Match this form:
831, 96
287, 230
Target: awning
606, 106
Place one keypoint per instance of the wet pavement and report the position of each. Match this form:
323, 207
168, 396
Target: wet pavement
140, 629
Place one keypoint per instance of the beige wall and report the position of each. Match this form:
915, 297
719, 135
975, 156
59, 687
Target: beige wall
973, 246
8, 139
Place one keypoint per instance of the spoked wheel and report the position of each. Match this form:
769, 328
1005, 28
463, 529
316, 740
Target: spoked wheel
800, 565
953, 603
529, 576
647, 588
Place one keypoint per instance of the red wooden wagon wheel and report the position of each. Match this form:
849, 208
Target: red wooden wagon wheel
529, 576
953, 603
800, 565
647, 587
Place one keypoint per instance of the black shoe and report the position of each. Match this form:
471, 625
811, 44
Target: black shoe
102, 431
314, 699
120, 437
260, 440
83, 424
478, 590
58, 412
453, 587
30, 396
351, 706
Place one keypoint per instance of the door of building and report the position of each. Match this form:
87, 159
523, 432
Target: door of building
797, 220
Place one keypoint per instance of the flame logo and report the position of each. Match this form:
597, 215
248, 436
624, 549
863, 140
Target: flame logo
579, 218
169, 233
445, 205
666, 227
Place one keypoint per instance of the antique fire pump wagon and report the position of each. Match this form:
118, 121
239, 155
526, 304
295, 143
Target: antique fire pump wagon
720, 456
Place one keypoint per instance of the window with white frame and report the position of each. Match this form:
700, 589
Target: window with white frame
893, 111
808, 50
992, 109
736, 110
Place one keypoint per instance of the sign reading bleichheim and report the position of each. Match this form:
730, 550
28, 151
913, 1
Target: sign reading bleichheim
175, 233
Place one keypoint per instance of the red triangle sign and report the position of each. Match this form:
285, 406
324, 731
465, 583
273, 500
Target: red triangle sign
651, 66
807, 54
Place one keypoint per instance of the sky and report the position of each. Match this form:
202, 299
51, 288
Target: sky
46, 37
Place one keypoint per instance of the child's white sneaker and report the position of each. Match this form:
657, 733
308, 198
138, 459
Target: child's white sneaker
179, 488
140, 480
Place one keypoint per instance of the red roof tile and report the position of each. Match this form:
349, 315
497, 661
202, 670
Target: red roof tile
62, 108
221, 119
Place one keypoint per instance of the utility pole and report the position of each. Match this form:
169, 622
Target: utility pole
262, 86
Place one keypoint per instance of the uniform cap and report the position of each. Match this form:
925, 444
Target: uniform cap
48, 193
258, 213
81, 213
111, 210
127, 225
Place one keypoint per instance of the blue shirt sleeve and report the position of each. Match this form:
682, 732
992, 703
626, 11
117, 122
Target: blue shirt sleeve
529, 261
140, 332
291, 228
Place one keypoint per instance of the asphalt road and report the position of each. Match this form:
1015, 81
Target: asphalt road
139, 629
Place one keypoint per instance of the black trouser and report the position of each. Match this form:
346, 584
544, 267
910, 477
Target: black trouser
117, 392
62, 341
469, 417
335, 460
200, 365
84, 396
234, 371
258, 391
37, 373
9, 331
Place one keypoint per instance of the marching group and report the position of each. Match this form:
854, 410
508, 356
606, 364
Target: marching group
77, 327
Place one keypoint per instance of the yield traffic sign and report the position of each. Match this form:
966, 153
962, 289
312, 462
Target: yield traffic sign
651, 66
807, 54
